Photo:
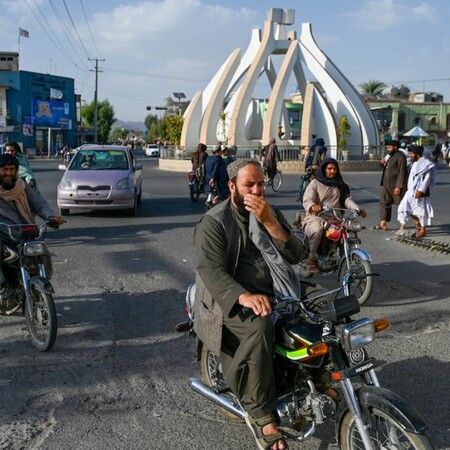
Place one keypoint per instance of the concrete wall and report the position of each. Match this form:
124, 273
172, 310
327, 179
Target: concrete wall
179, 165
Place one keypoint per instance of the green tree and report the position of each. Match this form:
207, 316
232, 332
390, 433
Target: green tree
171, 127
343, 131
119, 134
150, 120
372, 88
105, 118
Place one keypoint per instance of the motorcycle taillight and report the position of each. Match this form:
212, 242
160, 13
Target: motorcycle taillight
191, 176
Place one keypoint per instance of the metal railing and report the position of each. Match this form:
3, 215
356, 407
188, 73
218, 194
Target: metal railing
287, 152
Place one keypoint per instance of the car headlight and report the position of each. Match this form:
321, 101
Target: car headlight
358, 334
65, 185
125, 183
354, 226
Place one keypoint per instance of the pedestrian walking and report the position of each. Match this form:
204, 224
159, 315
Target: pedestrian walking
416, 203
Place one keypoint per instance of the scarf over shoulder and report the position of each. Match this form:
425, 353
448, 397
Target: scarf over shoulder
18, 195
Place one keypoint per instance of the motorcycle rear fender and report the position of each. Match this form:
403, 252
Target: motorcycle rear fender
43, 284
393, 404
361, 253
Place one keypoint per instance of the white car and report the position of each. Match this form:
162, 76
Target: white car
152, 150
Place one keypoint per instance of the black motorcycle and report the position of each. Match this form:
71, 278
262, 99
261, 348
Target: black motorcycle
27, 266
196, 185
323, 375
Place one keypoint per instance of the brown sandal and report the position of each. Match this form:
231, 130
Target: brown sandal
263, 441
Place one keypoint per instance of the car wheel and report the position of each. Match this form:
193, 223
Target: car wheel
132, 212
65, 212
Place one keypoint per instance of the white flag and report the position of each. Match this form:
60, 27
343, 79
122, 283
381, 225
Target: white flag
54, 93
24, 33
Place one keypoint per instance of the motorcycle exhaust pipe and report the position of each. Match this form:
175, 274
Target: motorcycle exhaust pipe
218, 399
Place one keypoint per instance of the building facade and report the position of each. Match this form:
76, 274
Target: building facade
37, 110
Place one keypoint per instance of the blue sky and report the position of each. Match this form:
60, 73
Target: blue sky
154, 48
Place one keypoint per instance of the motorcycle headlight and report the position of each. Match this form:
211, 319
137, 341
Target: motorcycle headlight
354, 226
358, 334
125, 183
34, 249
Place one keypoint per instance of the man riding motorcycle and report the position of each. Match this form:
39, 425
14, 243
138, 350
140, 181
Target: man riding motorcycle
19, 203
25, 172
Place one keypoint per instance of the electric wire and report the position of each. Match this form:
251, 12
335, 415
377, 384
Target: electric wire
76, 30
89, 28
53, 40
65, 30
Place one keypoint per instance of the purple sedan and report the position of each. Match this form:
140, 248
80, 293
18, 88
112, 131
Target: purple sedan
101, 177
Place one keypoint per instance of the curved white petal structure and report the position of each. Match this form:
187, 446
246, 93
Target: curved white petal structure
325, 99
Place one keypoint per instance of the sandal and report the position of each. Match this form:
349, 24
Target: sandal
421, 233
263, 441
379, 227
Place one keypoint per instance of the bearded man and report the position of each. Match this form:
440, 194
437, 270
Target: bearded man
232, 273
19, 203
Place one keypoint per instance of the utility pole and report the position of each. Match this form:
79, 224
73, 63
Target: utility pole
96, 97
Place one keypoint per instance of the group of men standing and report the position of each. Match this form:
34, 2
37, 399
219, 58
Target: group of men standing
409, 191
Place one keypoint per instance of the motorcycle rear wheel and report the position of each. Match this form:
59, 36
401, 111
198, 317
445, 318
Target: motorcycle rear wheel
212, 375
362, 287
385, 432
276, 182
194, 192
42, 324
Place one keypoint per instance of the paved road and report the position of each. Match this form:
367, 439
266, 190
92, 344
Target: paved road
118, 375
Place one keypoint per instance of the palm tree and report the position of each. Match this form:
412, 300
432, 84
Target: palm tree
372, 88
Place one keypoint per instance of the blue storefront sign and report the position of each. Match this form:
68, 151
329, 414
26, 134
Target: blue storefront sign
51, 114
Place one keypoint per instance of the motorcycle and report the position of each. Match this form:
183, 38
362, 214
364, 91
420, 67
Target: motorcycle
323, 374
340, 251
27, 267
305, 179
196, 185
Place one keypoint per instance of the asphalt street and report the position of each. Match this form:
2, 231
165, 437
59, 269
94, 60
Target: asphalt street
118, 375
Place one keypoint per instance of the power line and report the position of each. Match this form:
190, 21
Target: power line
75, 28
54, 41
89, 28
65, 30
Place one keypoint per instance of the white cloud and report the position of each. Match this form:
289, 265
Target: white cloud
383, 15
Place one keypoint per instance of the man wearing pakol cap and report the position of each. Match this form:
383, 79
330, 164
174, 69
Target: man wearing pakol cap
393, 183
235, 271
416, 202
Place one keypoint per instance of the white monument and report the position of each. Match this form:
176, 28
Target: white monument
227, 110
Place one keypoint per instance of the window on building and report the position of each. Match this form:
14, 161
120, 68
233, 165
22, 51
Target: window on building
447, 124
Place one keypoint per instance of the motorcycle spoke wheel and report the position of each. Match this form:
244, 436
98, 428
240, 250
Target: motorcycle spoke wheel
212, 376
276, 182
362, 286
42, 323
386, 433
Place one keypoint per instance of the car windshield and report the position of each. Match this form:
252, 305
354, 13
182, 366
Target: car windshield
99, 160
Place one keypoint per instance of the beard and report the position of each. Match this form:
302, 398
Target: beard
9, 184
238, 200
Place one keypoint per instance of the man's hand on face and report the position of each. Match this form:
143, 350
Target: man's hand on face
258, 302
258, 206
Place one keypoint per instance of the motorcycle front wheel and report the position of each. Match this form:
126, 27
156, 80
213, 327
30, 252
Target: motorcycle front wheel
42, 323
361, 285
385, 431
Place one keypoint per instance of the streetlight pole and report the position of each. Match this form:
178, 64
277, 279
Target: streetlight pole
179, 96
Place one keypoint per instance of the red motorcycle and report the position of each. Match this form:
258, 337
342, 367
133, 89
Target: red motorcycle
340, 251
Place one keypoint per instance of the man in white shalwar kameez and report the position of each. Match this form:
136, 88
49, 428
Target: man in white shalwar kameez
416, 202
